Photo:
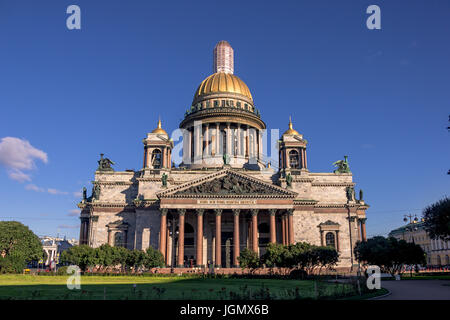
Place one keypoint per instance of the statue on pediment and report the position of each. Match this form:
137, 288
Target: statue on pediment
342, 166
226, 159
289, 180
96, 191
164, 180
104, 164
350, 191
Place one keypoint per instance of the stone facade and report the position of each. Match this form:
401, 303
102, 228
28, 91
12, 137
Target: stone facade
224, 196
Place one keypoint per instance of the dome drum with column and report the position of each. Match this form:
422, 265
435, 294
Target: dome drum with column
222, 120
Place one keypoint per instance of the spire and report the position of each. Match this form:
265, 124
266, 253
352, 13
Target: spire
223, 57
159, 122
159, 128
291, 130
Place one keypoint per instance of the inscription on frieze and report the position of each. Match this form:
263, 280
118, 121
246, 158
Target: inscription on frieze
203, 201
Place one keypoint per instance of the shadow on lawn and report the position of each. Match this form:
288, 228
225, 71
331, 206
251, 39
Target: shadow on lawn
191, 289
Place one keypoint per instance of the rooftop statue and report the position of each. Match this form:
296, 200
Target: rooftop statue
104, 164
342, 166
96, 191
350, 191
164, 179
226, 159
289, 180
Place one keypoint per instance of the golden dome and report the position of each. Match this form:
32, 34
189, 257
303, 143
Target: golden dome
159, 129
291, 130
221, 82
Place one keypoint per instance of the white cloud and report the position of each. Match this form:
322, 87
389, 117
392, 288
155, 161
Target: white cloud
18, 175
18, 155
34, 188
74, 213
77, 194
55, 191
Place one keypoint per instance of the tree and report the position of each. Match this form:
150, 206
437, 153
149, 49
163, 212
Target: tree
105, 255
18, 246
274, 255
389, 254
249, 259
153, 258
83, 256
120, 257
297, 256
437, 219
327, 257
136, 259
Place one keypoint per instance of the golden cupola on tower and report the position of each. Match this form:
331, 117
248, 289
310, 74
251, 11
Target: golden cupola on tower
291, 130
159, 129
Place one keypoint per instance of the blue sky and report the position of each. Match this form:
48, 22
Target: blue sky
379, 96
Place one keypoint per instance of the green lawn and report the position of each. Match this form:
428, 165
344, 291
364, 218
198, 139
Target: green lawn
121, 287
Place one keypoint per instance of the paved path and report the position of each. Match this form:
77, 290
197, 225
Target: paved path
417, 289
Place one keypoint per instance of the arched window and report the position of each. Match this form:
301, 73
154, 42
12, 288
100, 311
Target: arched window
330, 240
447, 262
156, 159
294, 160
439, 260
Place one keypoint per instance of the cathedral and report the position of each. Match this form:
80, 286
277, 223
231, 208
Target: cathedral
225, 195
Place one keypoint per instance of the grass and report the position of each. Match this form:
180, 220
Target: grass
427, 276
25, 287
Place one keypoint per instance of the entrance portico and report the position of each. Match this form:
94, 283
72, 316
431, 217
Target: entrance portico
219, 208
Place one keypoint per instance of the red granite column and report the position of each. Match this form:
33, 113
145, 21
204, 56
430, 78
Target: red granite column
283, 230
181, 213
273, 232
291, 226
359, 225
167, 246
236, 238
363, 224
337, 241
255, 230
218, 237
162, 232
200, 237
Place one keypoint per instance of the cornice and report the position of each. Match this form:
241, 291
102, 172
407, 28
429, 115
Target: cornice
214, 112
333, 184
119, 183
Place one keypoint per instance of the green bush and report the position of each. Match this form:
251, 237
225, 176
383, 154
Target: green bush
62, 271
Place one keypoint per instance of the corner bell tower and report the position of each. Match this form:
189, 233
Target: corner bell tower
158, 149
292, 151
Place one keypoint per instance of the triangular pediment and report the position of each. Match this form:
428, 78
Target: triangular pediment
227, 183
